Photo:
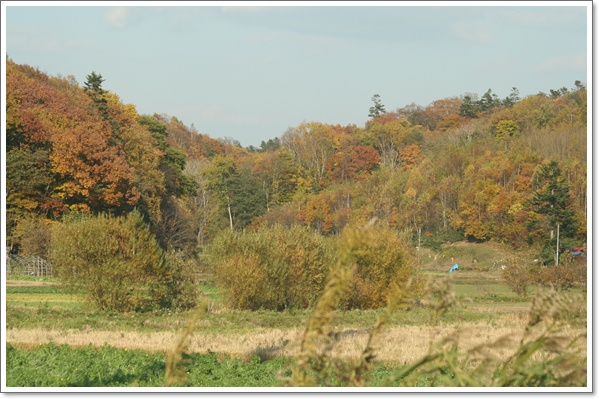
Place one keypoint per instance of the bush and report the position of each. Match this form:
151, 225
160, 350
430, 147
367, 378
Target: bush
118, 264
383, 261
272, 267
518, 276
560, 277
32, 236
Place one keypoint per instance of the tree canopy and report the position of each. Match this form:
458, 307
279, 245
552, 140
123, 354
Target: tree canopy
475, 167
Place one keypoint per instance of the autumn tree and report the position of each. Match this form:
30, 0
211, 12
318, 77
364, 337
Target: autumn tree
317, 213
142, 153
390, 138
221, 177
311, 144
350, 161
440, 114
88, 167
279, 176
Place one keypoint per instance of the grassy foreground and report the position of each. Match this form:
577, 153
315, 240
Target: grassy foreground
57, 340
51, 365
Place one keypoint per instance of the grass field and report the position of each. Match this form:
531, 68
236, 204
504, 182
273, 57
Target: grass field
57, 339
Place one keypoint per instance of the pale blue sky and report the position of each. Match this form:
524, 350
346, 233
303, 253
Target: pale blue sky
250, 73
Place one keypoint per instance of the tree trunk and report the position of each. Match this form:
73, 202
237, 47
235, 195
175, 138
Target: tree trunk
230, 215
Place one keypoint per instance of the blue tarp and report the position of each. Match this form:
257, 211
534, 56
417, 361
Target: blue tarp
454, 268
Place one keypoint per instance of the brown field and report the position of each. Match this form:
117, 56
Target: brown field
394, 344
29, 283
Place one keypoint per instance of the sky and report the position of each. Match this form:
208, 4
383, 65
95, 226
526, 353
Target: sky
248, 71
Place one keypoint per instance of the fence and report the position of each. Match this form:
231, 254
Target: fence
21, 265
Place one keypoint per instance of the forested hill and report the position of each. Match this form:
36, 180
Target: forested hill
463, 168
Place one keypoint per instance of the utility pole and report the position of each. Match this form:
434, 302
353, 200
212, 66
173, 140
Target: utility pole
557, 248
419, 231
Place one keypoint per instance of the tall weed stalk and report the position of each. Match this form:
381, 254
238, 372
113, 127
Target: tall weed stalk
175, 373
543, 356
315, 366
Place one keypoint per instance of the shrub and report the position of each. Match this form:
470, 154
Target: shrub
518, 276
117, 262
380, 263
32, 236
272, 267
561, 277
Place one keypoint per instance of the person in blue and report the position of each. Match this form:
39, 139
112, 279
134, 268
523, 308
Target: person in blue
453, 268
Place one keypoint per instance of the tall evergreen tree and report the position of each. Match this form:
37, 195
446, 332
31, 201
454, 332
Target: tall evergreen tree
93, 83
512, 99
469, 108
93, 87
489, 101
552, 198
378, 109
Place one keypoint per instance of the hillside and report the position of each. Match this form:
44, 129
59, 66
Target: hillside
460, 169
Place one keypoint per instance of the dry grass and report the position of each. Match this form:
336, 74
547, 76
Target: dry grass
29, 283
41, 298
401, 344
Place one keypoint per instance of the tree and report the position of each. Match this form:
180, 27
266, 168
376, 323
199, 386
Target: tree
277, 172
311, 144
552, 198
270, 145
142, 154
512, 98
350, 161
221, 177
93, 87
378, 109
92, 168
441, 113
173, 162
93, 83
390, 138
489, 101
506, 128
469, 107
